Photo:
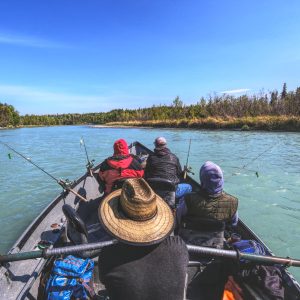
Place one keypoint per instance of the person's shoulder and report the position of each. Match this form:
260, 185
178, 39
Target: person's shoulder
176, 248
175, 242
229, 196
173, 155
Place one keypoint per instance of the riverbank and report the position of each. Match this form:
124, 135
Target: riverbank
268, 123
264, 123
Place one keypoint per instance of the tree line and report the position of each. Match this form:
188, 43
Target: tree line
286, 103
8, 115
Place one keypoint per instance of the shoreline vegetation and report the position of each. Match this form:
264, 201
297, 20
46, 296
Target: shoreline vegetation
266, 111
267, 123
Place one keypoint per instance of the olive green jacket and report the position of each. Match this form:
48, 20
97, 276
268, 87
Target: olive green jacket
222, 207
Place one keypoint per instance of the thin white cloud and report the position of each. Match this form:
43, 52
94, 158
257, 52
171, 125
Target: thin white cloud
32, 100
35, 96
28, 41
237, 91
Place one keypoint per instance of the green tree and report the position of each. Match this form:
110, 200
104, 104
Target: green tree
177, 102
284, 91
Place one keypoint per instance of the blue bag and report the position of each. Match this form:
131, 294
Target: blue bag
69, 278
249, 246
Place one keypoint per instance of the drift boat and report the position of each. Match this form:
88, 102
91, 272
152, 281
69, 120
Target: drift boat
21, 277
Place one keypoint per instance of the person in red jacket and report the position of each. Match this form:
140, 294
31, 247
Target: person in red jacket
120, 165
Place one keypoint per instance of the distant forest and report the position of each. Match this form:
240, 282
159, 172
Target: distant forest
284, 103
8, 116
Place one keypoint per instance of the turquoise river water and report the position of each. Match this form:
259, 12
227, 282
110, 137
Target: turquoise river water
269, 204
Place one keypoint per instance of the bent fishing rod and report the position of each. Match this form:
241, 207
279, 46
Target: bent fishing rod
63, 183
89, 164
198, 250
186, 168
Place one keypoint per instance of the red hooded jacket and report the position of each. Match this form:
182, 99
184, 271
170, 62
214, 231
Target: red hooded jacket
120, 165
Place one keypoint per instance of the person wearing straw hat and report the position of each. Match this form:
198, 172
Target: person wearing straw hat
147, 263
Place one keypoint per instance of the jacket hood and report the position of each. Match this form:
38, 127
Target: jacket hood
120, 147
211, 178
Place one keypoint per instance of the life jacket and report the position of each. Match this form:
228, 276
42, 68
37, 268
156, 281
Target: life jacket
117, 167
222, 207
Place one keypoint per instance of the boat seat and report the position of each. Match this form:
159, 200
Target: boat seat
78, 233
164, 188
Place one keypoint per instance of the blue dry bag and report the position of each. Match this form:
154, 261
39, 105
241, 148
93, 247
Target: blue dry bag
70, 277
249, 246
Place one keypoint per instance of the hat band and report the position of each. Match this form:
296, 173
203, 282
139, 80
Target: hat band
138, 218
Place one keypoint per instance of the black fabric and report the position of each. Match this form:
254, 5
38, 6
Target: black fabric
268, 278
154, 272
202, 232
163, 164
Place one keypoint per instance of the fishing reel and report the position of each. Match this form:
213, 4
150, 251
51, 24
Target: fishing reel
188, 170
65, 184
90, 164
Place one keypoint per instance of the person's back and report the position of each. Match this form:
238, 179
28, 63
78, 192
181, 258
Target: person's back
211, 201
147, 264
222, 207
166, 165
163, 163
145, 273
209, 210
120, 165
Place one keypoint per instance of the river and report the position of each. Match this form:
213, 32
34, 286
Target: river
261, 168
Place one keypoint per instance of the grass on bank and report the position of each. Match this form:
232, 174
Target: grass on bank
286, 123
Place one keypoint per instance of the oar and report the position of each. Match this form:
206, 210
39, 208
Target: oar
204, 251
64, 184
45, 253
234, 254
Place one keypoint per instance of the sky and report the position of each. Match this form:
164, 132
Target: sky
66, 56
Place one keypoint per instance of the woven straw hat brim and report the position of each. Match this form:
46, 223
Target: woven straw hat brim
135, 232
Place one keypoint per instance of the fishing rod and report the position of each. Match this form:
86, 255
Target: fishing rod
254, 159
65, 184
199, 250
186, 168
89, 164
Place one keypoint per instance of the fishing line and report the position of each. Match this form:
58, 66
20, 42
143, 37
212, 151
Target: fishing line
252, 160
29, 160
65, 184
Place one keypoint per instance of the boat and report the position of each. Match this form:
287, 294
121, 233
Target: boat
23, 279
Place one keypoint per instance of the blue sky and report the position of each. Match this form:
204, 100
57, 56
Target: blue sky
63, 56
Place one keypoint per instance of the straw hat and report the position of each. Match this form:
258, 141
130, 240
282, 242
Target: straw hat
136, 215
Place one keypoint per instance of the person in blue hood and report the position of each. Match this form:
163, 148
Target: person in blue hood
212, 201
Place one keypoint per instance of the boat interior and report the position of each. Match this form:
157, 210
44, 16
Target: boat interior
68, 221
